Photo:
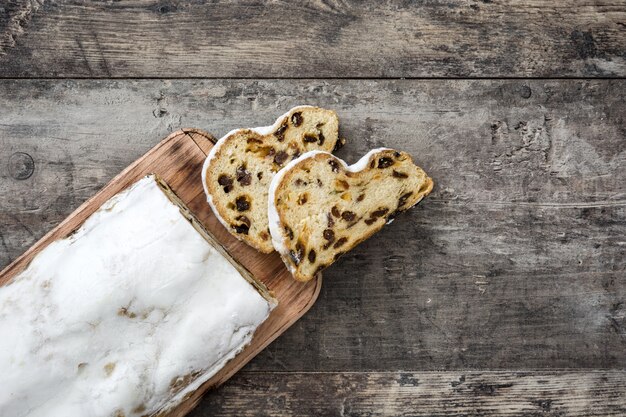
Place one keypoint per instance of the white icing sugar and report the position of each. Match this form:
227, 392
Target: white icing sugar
108, 319
263, 130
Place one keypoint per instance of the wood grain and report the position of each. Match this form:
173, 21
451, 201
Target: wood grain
378, 394
316, 38
515, 261
178, 160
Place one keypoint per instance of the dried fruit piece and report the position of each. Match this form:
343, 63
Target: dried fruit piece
340, 242
280, 132
339, 144
348, 215
243, 175
312, 255
226, 182
281, 157
321, 138
243, 219
310, 138
380, 212
401, 175
343, 184
241, 228
385, 162
296, 119
403, 198
334, 165
242, 203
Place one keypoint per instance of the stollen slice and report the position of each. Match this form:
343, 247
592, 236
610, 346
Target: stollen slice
238, 170
319, 207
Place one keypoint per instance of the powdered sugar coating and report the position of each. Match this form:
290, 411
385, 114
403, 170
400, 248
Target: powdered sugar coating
110, 320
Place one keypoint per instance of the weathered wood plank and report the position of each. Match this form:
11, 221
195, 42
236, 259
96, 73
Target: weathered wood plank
515, 261
567, 393
316, 38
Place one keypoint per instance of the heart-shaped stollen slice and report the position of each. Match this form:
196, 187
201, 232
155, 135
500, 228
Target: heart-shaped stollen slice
319, 207
238, 170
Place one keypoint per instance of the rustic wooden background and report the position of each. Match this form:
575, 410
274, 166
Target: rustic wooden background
503, 293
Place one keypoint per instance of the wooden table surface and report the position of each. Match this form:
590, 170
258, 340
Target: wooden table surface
503, 293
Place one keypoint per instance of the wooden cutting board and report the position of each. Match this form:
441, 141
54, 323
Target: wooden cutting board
178, 160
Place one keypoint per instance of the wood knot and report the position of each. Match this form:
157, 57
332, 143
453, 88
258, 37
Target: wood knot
21, 166
525, 91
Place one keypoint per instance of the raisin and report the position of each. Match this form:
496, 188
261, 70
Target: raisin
289, 232
380, 212
296, 154
375, 215
296, 119
243, 175
321, 137
397, 174
340, 242
348, 216
241, 228
329, 235
392, 216
280, 157
311, 256
259, 175
334, 165
339, 144
319, 182
397, 154
385, 162
264, 235
280, 132
253, 140
343, 184
298, 182
303, 199
310, 138
299, 250
331, 221
338, 255
335, 211
226, 182
403, 198
242, 203
360, 198
243, 219
372, 164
